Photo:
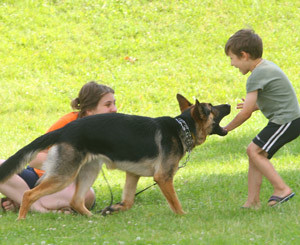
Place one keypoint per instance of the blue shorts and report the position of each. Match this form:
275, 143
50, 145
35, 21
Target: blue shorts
29, 176
274, 136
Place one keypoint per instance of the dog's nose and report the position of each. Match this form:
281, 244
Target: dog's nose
228, 106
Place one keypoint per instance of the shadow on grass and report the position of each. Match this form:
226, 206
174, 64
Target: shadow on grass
211, 192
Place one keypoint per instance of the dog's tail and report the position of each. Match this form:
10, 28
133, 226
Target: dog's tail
17, 161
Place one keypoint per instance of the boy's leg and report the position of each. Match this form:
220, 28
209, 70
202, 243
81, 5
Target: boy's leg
265, 167
254, 183
265, 145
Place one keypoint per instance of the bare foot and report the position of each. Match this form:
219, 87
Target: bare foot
251, 205
66, 210
9, 205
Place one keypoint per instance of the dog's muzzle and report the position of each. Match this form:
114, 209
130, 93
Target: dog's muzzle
221, 111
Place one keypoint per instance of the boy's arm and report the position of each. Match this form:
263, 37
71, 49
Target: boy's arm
240, 105
246, 111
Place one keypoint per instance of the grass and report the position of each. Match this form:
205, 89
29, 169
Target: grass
49, 49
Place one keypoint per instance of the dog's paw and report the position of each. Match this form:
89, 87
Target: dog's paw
108, 210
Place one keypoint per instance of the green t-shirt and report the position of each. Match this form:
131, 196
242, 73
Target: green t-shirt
276, 99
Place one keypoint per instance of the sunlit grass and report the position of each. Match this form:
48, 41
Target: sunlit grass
49, 49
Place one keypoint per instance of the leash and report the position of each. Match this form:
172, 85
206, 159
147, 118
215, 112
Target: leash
155, 183
110, 191
188, 140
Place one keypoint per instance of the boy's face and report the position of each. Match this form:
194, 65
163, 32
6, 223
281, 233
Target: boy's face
243, 62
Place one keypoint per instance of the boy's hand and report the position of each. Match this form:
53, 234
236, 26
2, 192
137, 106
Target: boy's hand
240, 105
225, 131
248, 105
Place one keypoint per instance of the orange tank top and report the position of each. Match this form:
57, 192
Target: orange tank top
64, 120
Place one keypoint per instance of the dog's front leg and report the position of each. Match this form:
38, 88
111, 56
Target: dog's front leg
129, 190
127, 196
165, 184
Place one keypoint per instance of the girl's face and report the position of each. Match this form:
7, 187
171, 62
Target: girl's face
107, 104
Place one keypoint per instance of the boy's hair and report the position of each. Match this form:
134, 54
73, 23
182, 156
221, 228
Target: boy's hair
89, 96
245, 40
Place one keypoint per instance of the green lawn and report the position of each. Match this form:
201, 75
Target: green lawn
50, 48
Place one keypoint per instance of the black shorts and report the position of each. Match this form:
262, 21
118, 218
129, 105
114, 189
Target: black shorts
29, 176
274, 136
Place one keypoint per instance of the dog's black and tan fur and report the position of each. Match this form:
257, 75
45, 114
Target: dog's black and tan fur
140, 146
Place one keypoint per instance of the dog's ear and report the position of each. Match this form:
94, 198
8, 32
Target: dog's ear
201, 111
183, 102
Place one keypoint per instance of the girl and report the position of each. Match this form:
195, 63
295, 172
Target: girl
93, 99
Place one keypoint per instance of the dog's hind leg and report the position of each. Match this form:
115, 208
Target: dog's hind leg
48, 186
85, 179
127, 196
62, 166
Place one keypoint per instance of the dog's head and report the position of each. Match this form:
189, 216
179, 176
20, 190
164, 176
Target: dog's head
206, 116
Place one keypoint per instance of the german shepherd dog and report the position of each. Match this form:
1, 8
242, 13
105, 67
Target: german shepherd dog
140, 146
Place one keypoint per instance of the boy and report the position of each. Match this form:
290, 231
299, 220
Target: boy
269, 90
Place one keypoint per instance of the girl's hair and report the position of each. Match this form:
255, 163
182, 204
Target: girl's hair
245, 40
89, 96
